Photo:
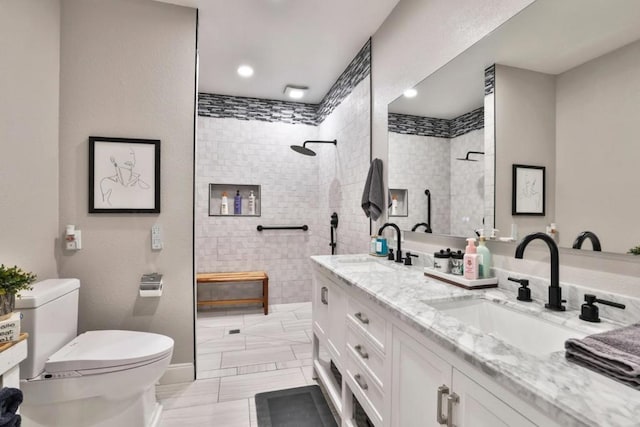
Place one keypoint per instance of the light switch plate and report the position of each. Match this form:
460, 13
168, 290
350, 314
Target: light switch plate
156, 238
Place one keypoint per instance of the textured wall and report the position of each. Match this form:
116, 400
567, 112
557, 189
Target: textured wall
29, 88
128, 70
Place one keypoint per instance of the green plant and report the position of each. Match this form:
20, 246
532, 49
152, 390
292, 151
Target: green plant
14, 279
634, 251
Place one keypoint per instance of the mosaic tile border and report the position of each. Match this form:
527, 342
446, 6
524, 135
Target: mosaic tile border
267, 110
439, 128
489, 79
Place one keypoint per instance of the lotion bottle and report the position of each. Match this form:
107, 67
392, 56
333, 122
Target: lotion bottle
224, 204
470, 260
252, 203
484, 260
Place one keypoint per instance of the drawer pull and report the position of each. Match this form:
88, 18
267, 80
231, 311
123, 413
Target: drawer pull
324, 292
361, 317
361, 351
442, 390
363, 385
451, 400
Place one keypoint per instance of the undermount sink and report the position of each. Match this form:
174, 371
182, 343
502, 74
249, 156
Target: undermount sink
362, 265
526, 331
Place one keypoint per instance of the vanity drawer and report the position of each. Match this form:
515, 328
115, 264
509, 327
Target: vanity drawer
366, 353
365, 388
368, 322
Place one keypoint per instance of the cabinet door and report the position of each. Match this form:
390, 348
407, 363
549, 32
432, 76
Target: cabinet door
477, 407
320, 304
337, 336
417, 374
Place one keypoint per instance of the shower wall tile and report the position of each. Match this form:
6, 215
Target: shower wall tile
343, 171
440, 128
417, 163
467, 184
256, 152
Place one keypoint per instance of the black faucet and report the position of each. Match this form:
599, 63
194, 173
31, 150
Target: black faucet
595, 242
555, 291
422, 224
398, 238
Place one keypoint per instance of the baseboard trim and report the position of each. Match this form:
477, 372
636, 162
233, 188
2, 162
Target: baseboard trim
178, 373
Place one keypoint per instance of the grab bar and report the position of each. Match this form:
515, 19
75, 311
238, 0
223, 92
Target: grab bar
299, 227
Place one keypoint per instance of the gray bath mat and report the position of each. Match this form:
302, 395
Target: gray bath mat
294, 407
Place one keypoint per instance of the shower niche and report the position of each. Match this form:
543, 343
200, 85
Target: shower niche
401, 197
216, 192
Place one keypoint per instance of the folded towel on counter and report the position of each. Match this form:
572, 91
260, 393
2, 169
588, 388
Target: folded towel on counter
614, 353
373, 194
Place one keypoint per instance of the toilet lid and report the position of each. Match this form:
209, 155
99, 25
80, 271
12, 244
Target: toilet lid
109, 349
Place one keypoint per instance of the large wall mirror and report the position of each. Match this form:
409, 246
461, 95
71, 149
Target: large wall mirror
555, 87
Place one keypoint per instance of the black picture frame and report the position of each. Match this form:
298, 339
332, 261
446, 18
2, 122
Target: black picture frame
528, 190
124, 175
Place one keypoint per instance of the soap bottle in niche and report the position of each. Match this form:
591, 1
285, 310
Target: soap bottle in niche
237, 203
471, 259
252, 203
394, 205
224, 204
484, 261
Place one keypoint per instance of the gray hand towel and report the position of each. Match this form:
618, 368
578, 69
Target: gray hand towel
614, 353
373, 194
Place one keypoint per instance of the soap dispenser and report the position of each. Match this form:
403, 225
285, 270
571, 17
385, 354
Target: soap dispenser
471, 258
484, 259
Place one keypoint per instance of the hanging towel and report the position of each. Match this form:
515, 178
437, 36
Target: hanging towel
615, 354
373, 194
10, 400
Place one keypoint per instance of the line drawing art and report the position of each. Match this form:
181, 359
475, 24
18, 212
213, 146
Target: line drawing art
125, 176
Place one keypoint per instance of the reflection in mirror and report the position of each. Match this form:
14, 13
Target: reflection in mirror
564, 94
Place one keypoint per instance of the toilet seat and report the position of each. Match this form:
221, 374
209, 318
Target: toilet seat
100, 352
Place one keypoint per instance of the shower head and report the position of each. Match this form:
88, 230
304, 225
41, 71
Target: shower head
467, 159
302, 149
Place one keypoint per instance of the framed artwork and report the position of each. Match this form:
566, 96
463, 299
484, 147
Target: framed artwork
124, 175
528, 196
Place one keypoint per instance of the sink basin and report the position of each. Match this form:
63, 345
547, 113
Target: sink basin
526, 331
362, 265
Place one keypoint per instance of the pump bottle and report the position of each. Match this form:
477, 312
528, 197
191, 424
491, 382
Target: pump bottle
470, 260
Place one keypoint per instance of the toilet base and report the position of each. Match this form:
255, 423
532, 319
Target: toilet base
142, 410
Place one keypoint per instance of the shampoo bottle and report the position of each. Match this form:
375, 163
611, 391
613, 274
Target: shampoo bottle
252, 203
484, 259
394, 205
224, 204
237, 203
471, 260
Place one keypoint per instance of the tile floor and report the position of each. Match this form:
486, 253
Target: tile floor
270, 352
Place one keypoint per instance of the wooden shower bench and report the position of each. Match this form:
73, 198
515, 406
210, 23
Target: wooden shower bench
232, 277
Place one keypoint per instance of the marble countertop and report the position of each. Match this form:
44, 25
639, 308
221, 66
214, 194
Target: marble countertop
568, 393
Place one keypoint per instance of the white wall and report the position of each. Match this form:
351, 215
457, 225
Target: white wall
525, 134
232, 151
598, 151
127, 70
29, 88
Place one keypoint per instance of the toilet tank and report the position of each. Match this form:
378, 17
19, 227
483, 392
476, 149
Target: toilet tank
50, 317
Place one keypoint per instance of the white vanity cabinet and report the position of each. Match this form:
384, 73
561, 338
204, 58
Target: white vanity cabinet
427, 388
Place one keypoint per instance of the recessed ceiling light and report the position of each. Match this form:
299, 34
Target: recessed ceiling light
410, 93
245, 71
295, 92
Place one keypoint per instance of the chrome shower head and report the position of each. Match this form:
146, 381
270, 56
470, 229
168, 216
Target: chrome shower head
308, 152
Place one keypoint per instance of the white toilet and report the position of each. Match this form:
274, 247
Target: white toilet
97, 379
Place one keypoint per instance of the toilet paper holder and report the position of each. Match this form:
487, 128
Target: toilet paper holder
151, 285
